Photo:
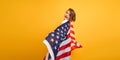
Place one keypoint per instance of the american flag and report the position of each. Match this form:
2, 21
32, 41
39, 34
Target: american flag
61, 42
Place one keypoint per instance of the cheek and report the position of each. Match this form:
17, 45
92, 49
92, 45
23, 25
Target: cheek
68, 15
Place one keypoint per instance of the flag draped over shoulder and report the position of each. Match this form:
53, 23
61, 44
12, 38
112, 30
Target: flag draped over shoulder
61, 42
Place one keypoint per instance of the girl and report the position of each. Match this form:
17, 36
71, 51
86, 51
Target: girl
62, 41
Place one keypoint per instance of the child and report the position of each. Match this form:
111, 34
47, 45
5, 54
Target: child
70, 15
62, 41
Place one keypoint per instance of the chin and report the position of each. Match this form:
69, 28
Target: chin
65, 19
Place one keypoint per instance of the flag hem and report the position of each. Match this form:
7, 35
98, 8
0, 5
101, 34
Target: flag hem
49, 49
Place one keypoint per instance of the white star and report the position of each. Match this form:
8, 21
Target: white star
65, 25
61, 31
56, 42
62, 35
57, 37
55, 47
62, 27
52, 40
52, 34
58, 33
58, 29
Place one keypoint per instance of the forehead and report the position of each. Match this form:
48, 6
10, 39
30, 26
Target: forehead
68, 11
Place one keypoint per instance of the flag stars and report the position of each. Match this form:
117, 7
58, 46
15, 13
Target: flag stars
56, 42
58, 33
61, 31
62, 27
55, 47
57, 37
62, 35
65, 30
65, 25
52, 40
58, 29
52, 35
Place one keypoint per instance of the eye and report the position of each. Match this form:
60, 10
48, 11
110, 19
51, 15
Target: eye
66, 12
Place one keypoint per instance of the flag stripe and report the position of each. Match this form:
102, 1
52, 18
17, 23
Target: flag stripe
63, 55
64, 46
65, 42
73, 38
71, 25
72, 32
64, 51
72, 35
66, 58
71, 28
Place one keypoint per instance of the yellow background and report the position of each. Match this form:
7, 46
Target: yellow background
25, 23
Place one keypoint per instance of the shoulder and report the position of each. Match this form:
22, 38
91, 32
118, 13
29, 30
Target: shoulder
64, 21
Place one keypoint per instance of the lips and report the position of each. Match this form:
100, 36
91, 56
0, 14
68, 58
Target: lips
65, 16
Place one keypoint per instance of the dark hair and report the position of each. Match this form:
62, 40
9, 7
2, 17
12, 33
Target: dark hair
72, 14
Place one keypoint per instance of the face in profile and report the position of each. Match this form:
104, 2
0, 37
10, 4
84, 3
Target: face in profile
67, 15
70, 15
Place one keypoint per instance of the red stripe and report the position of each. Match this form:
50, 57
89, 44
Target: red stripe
65, 46
72, 37
71, 26
74, 47
69, 36
63, 55
73, 42
71, 31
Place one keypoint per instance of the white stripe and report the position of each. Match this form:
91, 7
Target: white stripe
65, 58
72, 44
74, 41
49, 49
65, 42
64, 51
64, 21
78, 45
75, 45
46, 58
71, 29
72, 35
